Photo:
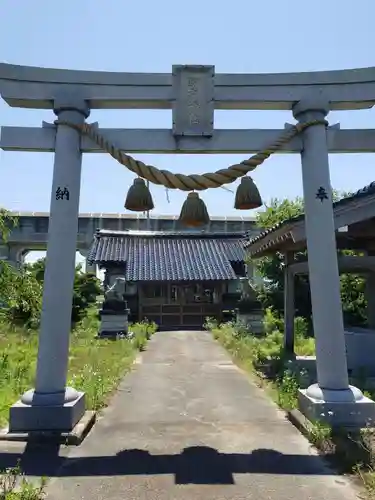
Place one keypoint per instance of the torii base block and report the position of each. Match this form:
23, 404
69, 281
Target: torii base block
67, 438
42, 418
356, 414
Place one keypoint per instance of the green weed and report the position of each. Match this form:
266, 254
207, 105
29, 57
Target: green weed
95, 366
14, 486
263, 356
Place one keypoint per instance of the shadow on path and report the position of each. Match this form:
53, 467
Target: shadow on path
194, 465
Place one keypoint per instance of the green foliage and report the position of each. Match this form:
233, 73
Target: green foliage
14, 486
272, 322
95, 367
271, 293
211, 324
87, 287
354, 304
287, 390
265, 353
142, 332
21, 289
37, 269
279, 211
263, 349
20, 296
353, 451
7, 223
20, 293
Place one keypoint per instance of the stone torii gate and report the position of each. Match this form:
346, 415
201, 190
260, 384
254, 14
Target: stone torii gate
193, 93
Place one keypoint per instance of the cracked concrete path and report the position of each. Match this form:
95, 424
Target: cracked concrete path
187, 424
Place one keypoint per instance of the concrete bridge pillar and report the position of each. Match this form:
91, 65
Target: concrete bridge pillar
14, 255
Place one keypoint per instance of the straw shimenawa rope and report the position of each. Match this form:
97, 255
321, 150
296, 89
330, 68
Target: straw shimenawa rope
192, 182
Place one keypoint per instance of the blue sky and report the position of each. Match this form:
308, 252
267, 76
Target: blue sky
145, 36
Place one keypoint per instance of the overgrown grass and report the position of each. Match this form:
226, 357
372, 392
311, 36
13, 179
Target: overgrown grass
14, 486
95, 366
263, 356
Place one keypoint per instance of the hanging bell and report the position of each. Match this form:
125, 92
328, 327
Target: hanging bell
194, 212
139, 198
247, 195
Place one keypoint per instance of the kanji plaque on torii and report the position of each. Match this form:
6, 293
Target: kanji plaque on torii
193, 105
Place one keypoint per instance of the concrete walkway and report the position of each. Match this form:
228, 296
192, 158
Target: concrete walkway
187, 424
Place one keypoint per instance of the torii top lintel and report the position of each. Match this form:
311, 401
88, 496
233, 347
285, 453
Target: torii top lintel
36, 87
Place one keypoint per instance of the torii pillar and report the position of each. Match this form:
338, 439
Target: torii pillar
52, 406
331, 399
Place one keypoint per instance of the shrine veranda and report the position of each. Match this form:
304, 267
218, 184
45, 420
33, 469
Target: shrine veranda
193, 93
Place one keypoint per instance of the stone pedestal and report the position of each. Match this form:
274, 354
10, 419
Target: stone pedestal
252, 320
347, 409
57, 418
113, 324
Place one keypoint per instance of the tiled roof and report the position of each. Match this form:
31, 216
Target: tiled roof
361, 193
166, 256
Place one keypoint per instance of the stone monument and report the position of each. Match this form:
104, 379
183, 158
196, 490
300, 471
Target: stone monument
114, 313
249, 312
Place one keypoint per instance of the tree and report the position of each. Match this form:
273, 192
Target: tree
36, 269
21, 289
271, 294
279, 211
20, 296
7, 222
20, 293
86, 287
354, 304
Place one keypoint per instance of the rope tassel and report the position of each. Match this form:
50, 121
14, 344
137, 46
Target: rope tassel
194, 212
247, 195
139, 198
